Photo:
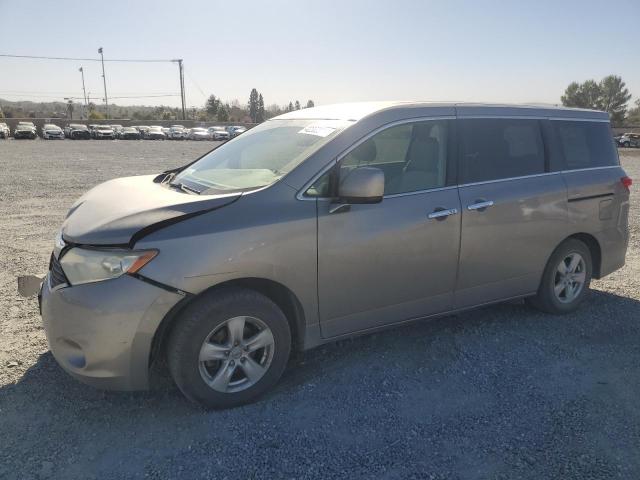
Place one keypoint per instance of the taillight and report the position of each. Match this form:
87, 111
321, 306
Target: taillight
626, 182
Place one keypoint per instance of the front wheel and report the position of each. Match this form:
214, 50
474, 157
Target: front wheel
228, 348
566, 279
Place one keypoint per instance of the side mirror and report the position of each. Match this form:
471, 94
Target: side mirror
362, 185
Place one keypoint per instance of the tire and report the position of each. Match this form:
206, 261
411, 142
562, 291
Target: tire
626, 144
205, 330
570, 297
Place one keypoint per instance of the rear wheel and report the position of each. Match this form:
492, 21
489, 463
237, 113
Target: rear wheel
229, 347
566, 279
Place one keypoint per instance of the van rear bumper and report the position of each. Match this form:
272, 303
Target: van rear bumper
614, 243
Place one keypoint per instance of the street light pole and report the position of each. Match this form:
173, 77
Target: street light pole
84, 91
104, 80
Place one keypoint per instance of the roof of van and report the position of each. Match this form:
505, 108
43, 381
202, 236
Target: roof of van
359, 110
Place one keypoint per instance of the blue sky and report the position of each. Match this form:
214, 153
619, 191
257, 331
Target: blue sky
329, 50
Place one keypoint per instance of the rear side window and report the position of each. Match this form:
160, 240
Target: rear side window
585, 144
492, 149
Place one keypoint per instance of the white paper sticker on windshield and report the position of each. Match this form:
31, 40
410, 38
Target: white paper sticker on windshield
318, 129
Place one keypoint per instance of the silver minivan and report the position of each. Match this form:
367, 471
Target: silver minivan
329, 222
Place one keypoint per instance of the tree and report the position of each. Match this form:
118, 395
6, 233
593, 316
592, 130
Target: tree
310, 104
260, 116
297, 105
610, 95
582, 95
223, 113
70, 109
633, 119
614, 96
253, 105
94, 115
290, 107
212, 106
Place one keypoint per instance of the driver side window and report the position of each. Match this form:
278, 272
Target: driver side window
413, 156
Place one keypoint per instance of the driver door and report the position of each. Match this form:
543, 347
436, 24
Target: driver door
384, 263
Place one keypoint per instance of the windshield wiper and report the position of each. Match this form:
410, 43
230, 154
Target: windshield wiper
184, 188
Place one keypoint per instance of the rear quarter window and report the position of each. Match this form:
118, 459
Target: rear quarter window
584, 144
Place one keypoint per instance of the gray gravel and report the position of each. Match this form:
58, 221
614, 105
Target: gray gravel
502, 393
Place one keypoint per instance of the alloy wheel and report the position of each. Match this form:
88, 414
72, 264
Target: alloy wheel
570, 278
236, 354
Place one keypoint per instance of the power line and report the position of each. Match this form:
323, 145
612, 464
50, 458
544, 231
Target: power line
152, 96
133, 60
74, 92
58, 96
195, 83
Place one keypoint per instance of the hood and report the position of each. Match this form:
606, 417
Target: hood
121, 211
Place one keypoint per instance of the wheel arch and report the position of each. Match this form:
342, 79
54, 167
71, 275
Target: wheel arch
278, 293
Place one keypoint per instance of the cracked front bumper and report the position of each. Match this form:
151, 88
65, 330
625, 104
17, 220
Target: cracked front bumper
102, 333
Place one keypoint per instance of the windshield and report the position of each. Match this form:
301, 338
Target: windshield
260, 157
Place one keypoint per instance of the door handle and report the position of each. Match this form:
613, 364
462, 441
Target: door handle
480, 205
442, 213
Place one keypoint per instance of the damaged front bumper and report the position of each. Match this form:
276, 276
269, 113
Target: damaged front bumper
102, 332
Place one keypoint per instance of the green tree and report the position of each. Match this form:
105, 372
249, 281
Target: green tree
70, 109
260, 114
310, 104
297, 105
290, 107
614, 96
253, 104
633, 118
610, 95
95, 115
582, 95
223, 113
212, 105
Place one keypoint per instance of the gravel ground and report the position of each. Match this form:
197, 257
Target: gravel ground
503, 392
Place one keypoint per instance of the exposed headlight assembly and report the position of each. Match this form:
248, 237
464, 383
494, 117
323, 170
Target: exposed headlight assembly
84, 265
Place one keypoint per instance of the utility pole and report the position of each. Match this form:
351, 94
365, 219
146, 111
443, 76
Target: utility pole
84, 91
104, 80
182, 97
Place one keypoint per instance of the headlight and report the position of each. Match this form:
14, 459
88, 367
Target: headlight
83, 265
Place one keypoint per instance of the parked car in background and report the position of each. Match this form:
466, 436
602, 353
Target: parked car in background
143, 129
166, 131
629, 140
51, 131
77, 131
236, 130
103, 132
401, 212
129, 133
219, 133
4, 130
199, 134
177, 133
25, 130
155, 133
117, 130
